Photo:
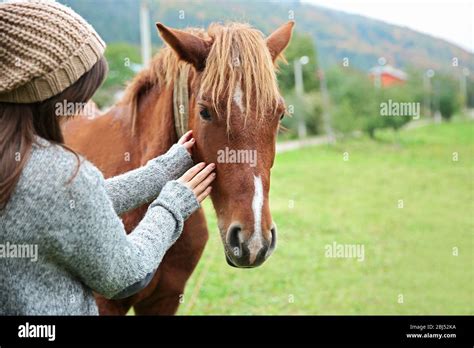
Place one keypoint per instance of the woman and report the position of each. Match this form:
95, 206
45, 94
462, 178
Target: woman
60, 234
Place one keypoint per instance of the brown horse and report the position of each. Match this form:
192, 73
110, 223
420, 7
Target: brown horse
234, 111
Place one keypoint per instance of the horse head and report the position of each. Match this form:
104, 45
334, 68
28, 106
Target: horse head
235, 109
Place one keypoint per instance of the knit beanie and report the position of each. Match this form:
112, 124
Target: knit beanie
44, 48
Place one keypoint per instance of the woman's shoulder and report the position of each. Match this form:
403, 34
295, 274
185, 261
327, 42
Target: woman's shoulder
53, 175
56, 165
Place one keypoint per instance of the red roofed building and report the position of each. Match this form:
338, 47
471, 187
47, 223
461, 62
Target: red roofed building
386, 76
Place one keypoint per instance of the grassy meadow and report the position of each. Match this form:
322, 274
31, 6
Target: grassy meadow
407, 198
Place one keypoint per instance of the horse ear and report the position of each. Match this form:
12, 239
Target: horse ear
279, 39
188, 47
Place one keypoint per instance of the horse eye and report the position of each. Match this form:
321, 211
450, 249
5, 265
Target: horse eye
281, 117
205, 115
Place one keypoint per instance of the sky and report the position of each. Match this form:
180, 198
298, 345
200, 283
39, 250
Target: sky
451, 20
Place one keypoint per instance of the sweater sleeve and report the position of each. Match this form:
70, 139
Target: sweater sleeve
137, 187
99, 252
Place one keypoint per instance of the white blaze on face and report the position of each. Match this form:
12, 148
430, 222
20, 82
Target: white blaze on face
238, 97
255, 243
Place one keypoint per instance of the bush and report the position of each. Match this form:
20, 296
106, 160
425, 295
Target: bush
308, 107
447, 96
353, 101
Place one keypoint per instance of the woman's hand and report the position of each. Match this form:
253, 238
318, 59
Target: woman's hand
187, 141
199, 179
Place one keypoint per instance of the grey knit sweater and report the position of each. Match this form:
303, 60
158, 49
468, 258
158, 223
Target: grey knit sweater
59, 241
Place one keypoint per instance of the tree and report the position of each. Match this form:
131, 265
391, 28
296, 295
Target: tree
122, 58
300, 45
447, 96
353, 101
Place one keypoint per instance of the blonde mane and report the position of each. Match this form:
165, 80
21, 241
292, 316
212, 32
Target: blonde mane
238, 57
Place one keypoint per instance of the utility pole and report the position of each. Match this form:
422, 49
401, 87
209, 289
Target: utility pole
325, 101
378, 72
325, 104
436, 102
427, 76
299, 88
145, 38
463, 87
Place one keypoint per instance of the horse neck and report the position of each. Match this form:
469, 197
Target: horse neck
154, 128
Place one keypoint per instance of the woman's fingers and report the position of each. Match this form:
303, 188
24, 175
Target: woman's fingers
187, 140
191, 172
199, 189
186, 137
189, 144
199, 179
203, 195
203, 174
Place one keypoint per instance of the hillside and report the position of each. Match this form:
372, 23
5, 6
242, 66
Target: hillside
337, 34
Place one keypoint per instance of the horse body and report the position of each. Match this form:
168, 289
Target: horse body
239, 90
107, 142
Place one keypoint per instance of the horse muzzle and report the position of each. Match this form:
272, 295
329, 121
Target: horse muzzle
249, 252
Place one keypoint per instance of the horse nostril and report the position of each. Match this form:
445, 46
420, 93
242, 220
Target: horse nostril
234, 237
273, 232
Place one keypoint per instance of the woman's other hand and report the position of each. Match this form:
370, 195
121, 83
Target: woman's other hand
199, 179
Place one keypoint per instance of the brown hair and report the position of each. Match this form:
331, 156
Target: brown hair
19, 123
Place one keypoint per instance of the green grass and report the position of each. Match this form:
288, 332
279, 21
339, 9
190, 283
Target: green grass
408, 251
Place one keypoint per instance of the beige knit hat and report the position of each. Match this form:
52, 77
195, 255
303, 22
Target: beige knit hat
44, 48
